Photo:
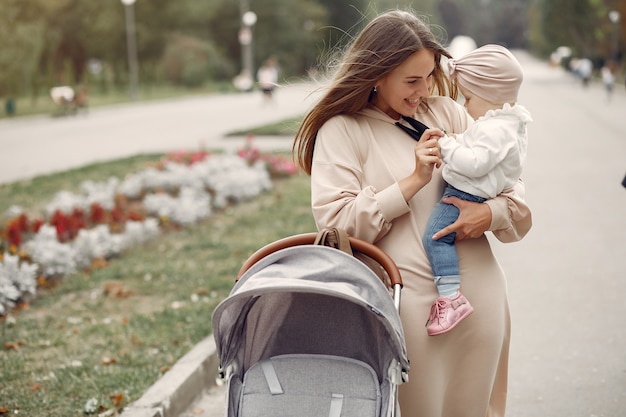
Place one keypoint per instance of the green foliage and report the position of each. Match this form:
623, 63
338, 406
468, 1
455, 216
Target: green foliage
582, 25
292, 31
486, 21
287, 127
190, 62
52, 41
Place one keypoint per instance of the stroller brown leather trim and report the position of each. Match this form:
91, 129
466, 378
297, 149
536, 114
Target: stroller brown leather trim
357, 244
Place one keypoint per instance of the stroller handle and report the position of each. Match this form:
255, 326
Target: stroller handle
357, 244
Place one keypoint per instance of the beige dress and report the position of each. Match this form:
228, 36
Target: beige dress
357, 163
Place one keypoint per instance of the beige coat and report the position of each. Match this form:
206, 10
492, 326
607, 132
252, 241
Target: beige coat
357, 163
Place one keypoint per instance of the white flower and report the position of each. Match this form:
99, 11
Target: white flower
93, 244
16, 280
191, 205
137, 232
23, 275
91, 406
66, 202
231, 179
101, 193
54, 257
132, 186
14, 211
9, 294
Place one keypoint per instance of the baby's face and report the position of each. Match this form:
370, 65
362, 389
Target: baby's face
477, 106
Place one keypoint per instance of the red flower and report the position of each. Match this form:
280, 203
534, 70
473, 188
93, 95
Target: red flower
23, 222
135, 216
97, 214
36, 225
117, 215
14, 232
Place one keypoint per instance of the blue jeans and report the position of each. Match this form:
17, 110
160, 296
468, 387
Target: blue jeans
441, 253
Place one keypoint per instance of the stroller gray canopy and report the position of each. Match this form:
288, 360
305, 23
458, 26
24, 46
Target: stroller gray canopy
309, 299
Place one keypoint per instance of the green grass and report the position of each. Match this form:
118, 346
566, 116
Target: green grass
286, 127
76, 342
33, 194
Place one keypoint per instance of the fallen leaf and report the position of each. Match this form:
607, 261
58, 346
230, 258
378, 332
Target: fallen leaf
202, 291
116, 398
134, 340
36, 387
22, 306
99, 263
108, 413
14, 345
115, 289
108, 361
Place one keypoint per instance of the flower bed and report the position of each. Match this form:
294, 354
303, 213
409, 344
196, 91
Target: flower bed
79, 231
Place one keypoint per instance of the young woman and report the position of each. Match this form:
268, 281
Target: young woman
371, 178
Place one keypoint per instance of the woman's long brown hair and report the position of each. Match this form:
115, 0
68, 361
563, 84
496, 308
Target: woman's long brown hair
384, 44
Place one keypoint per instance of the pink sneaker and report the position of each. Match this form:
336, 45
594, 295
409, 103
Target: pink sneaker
446, 313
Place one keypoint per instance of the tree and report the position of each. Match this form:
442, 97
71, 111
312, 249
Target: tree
290, 31
486, 21
22, 23
582, 25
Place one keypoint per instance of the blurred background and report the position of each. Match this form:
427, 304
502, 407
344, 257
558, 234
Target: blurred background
133, 49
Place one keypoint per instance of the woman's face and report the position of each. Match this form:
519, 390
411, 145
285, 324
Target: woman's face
402, 90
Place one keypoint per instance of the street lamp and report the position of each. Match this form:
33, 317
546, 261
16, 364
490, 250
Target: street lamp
131, 46
614, 18
248, 19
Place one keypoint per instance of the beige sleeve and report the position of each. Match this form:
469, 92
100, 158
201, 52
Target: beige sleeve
339, 195
511, 217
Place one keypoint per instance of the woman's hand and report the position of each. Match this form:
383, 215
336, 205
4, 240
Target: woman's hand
474, 219
427, 158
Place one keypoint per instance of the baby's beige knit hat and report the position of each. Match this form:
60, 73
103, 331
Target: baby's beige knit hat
491, 72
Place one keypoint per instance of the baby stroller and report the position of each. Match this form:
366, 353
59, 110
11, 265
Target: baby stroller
311, 329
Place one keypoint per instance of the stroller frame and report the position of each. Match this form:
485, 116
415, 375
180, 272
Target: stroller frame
309, 330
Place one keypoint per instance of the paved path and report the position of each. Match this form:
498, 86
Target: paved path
32, 146
566, 278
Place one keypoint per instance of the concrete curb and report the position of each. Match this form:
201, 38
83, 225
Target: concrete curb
185, 383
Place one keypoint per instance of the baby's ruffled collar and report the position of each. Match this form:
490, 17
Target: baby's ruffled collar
515, 110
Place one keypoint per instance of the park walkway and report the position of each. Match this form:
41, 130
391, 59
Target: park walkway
40, 145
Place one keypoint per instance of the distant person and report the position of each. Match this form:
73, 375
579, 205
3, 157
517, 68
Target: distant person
9, 106
608, 79
584, 69
81, 99
479, 164
267, 76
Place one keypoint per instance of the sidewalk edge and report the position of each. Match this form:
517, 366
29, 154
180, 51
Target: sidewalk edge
190, 376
